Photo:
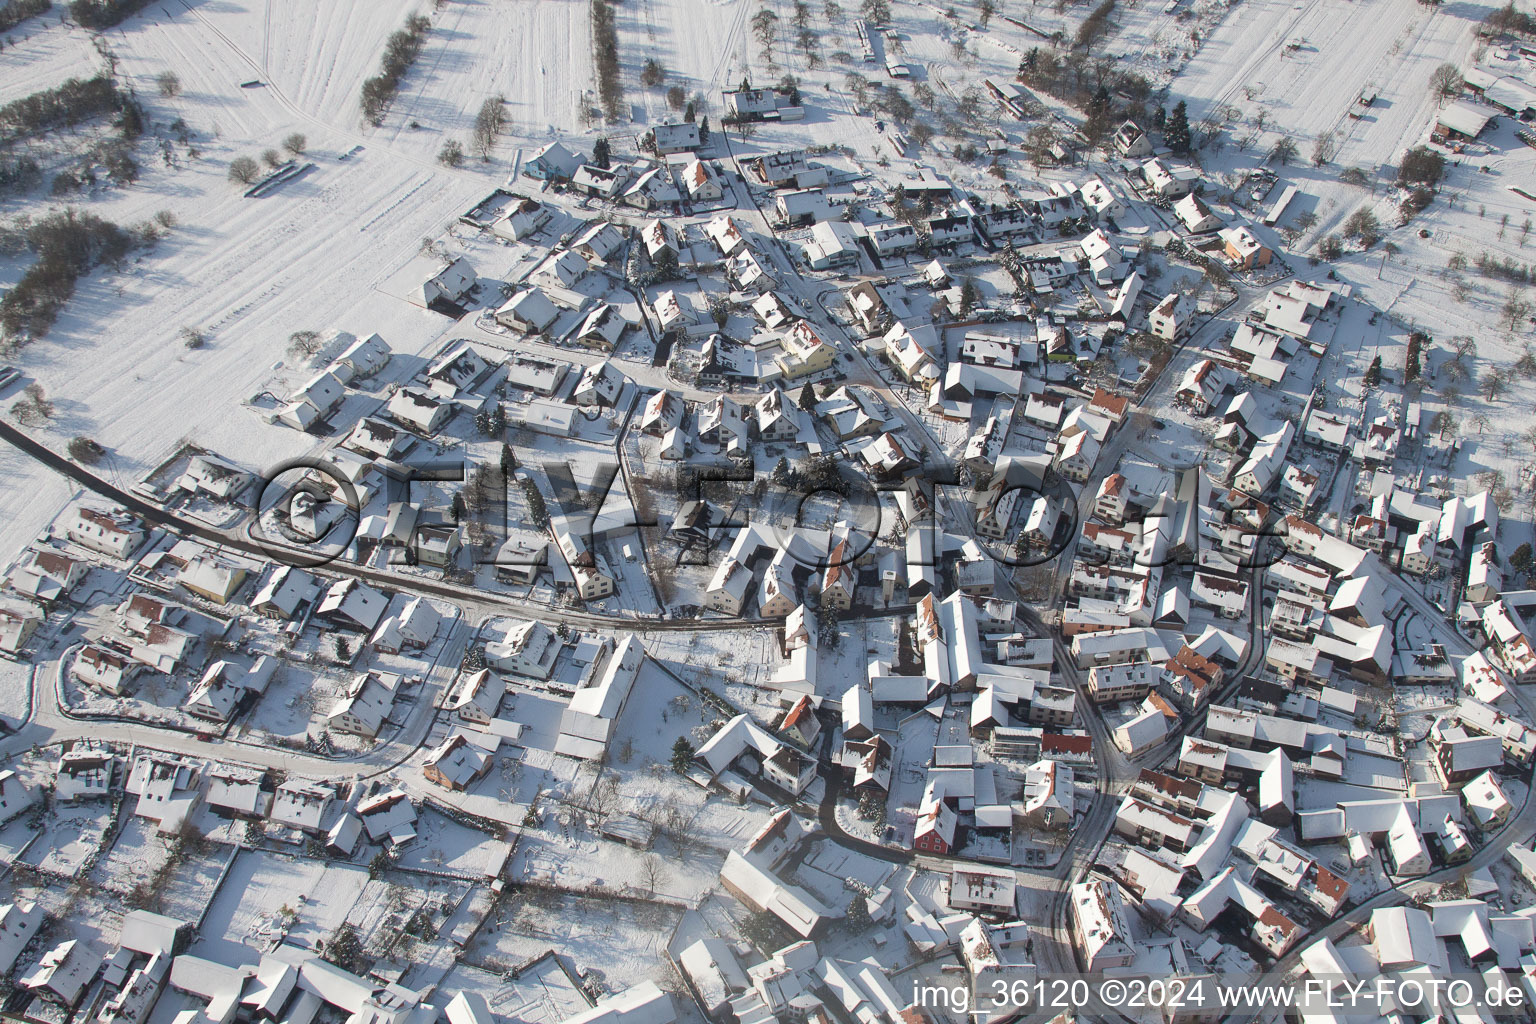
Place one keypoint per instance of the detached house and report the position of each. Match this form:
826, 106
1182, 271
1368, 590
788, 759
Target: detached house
676, 138
418, 410
451, 285
456, 763
552, 163
109, 533
702, 183
530, 312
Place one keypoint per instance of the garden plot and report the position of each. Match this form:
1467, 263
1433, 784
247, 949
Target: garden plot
621, 943
65, 843
136, 856
442, 844
247, 914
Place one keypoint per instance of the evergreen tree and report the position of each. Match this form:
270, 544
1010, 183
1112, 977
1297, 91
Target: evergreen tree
1520, 560
538, 513
600, 153
703, 131
682, 755
456, 510
858, 913
1373, 373
807, 398
688, 113
1176, 130
1159, 119
508, 460
969, 295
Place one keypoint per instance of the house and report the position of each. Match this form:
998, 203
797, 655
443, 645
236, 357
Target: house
219, 694
451, 285
62, 974
654, 188
1511, 642
588, 722
676, 138
552, 163
375, 439
602, 328
600, 385
1131, 142
1099, 926
834, 243
308, 407
167, 788
598, 242
559, 270
19, 921
522, 218
364, 705
1485, 581
761, 891
530, 312
1243, 250
350, 604
1170, 182
15, 796
1486, 802
587, 572
109, 533
702, 183
1076, 457
801, 724
84, 772
662, 412
934, 831
1197, 217
1202, 386
477, 697
209, 578
982, 890
414, 627
46, 576
670, 311
777, 418
528, 648
456, 762
215, 478
235, 792
599, 182
752, 104
726, 234
17, 624
799, 207
419, 410
1101, 200
106, 670
892, 239
301, 805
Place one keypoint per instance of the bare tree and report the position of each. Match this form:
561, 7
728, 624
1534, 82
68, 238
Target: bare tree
243, 170
489, 123
169, 84
653, 870
1445, 81
296, 143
